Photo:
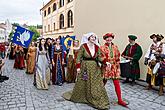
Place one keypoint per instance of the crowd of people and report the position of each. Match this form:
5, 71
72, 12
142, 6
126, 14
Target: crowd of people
89, 65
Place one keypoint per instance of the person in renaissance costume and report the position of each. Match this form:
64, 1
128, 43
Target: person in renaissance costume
42, 70
11, 49
49, 46
2, 77
89, 87
19, 57
156, 49
132, 52
31, 54
71, 65
58, 73
110, 50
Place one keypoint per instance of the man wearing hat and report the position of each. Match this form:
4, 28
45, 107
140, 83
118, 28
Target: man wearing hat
111, 53
132, 52
151, 58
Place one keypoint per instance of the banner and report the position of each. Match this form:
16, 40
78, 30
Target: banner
66, 42
22, 36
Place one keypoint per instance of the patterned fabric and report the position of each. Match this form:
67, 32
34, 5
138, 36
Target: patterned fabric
58, 75
42, 84
19, 58
91, 91
152, 79
31, 59
113, 56
71, 67
135, 52
42, 71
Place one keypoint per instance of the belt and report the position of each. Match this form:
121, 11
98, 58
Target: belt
92, 59
57, 52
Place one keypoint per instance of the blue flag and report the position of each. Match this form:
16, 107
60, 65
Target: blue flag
66, 42
22, 36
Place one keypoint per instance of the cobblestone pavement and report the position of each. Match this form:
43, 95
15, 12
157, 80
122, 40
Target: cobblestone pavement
18, 93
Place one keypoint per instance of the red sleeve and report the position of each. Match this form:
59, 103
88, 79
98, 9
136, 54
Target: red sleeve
78, 65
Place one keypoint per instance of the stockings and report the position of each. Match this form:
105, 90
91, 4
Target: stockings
118, 91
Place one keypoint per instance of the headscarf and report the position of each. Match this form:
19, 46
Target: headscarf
85, 38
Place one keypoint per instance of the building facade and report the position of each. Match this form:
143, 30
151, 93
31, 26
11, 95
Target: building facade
122, 17
5, 29
58, 18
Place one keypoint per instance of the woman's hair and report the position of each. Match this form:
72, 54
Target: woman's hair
40, 46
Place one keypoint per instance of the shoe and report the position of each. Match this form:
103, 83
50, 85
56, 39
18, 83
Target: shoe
126, 81
148, 88
60, 84
4, 77
132, 83
1, 80
122, 103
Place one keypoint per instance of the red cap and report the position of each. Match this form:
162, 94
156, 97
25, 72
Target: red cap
108, 35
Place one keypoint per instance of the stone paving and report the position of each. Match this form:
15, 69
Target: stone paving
18, 93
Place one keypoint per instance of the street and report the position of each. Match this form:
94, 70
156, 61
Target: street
18, 93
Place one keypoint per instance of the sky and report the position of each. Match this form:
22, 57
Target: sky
22, 11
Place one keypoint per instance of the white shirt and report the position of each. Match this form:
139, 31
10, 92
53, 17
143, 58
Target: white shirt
91, 49
152, 57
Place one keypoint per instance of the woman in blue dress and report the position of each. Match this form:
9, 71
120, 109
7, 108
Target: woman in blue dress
58, 75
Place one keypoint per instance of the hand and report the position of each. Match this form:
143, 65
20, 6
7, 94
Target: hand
146, 61
63, 63
78, 71
53, 63
108, 66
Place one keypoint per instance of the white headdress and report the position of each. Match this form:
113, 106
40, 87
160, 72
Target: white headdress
85, 38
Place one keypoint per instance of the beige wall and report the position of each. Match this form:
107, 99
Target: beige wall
122, 17
54, 18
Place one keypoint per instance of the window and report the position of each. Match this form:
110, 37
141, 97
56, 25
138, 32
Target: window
44, 13
48, 28
49, 10
54, 25
69, 1
70, 18
61, 3
54, 7
61, 21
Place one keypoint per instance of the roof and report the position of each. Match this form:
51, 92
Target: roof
47, 4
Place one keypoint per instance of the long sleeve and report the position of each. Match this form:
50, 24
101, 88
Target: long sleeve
79, 57
37, 51
47, 56
62, 53
101, 56
117, 56
148, 52
138, 54
52, 52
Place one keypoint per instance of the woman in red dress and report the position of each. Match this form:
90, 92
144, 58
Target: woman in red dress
19, 58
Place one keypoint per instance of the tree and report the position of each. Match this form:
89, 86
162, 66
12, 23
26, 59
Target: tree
36, 33
13, 28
